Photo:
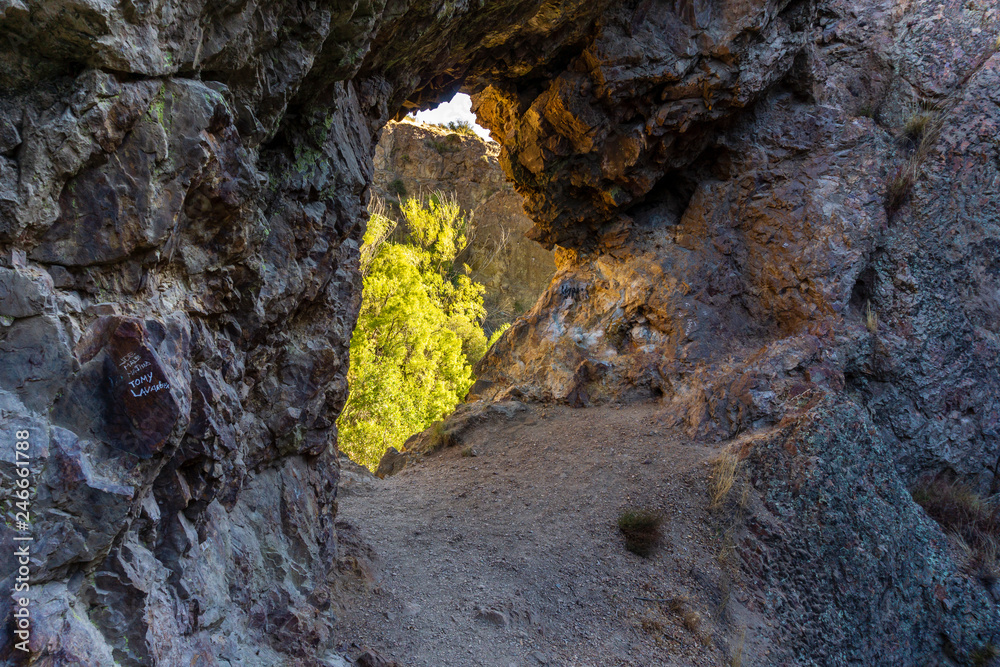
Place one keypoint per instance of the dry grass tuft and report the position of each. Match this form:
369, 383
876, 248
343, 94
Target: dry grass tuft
641, 529
724, 478
985, 563
687, 617
652, 626
898, 189
922, 128
871, 318
724, 473
727, 558
917, 124
680, 606
737, 658
691, 620
960, 510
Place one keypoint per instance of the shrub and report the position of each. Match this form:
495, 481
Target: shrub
461, 127
641, 529
398, 187
495, 336
443, 146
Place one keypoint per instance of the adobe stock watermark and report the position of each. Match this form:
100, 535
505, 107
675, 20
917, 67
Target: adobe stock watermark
22, 540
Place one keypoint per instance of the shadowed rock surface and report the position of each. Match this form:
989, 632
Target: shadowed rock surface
752, 228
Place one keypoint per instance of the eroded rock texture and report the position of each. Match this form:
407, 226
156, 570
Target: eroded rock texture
182, 189
797, 248
182, 194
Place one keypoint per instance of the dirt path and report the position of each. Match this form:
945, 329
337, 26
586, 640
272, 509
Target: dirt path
512, 557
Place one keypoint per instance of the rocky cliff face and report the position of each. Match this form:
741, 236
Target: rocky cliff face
182, 189
414, 160
817, 234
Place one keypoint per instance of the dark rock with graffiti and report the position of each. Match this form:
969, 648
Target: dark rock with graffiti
141, 391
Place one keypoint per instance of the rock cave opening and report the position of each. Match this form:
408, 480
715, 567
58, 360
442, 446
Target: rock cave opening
446, 269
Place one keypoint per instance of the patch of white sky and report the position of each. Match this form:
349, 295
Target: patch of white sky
458, 108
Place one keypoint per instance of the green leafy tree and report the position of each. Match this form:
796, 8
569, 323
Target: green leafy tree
441, 233
496, 335
419, 329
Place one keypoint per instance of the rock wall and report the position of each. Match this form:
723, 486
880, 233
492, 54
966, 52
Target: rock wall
182, 190
817, 242
799, 259
415, 160
182, 194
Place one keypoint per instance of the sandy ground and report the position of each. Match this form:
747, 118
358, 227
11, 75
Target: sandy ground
512, 557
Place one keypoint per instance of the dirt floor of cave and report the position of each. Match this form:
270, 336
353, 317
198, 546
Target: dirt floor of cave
512, 557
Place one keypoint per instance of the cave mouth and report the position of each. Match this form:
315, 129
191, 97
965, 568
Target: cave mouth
446, 269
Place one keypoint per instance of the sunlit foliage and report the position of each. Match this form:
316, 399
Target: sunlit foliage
419, 330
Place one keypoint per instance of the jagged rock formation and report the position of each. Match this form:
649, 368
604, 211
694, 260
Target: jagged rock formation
413, 160
182, 189
831, 245
833, 193
186, 182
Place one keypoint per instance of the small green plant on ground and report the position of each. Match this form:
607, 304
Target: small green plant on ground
439, 436
972, 519
868, 110
641, 529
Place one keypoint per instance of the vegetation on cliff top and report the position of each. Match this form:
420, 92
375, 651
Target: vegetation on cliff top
419, 330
